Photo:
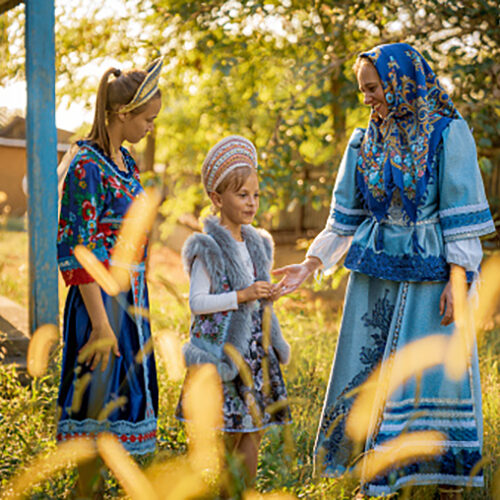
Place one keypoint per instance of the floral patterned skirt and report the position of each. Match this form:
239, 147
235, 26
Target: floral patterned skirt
264, 402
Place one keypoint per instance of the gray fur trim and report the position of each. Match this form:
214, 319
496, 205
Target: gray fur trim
280, 345
193, 355
219, 254
204, 247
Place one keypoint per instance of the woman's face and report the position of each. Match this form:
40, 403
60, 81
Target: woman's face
370, 86
136, 126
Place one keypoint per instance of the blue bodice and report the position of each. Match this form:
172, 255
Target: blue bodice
454, 207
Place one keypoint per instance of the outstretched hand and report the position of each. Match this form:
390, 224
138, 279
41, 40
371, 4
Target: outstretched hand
295, 274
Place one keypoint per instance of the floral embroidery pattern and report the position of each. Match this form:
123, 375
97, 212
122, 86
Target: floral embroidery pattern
95, 191
212, 327
246, 409
399, 151
333, 421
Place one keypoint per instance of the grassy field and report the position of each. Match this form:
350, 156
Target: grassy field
310, 322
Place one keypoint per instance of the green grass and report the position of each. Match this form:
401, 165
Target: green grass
27, 413
14, 270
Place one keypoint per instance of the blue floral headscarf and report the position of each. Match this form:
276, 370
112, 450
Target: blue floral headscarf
398, 152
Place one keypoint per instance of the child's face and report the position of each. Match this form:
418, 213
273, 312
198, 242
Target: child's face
239, 207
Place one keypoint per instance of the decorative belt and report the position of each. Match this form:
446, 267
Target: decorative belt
432, 220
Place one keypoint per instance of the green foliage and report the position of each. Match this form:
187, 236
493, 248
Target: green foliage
276, 71
310, 322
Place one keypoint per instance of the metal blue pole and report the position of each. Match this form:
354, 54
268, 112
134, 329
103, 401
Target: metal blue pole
41, 140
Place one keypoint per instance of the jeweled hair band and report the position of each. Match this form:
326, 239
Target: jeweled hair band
147, 89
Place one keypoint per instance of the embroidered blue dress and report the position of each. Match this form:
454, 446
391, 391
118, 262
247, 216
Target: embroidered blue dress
96, 196
399, 269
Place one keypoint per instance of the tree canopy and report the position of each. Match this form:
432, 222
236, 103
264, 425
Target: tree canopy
278, 72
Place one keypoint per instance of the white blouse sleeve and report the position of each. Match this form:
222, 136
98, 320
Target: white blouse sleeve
466, 253
201, 301
329, 248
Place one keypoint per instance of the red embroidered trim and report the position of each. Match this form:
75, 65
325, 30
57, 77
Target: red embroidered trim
122, 437
79, 276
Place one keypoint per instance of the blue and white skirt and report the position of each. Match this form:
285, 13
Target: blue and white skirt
381, 317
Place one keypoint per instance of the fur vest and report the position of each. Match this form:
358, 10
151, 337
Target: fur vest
219, 254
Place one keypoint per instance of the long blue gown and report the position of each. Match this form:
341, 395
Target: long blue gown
398, 273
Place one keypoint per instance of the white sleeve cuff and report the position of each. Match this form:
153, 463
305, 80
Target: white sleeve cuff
329, 248
466, 253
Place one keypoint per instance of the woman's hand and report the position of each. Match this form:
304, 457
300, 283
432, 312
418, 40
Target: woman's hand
101, 342
257, 290
296, 274
446, 304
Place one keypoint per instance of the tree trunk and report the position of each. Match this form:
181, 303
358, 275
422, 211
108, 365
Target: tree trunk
149, 152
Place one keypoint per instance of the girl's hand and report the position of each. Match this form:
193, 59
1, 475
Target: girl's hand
257, 290
275, 291
296, 274
101, 342
446, 305
102, 338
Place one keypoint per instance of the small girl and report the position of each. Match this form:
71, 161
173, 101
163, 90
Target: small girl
98, 183
229, 267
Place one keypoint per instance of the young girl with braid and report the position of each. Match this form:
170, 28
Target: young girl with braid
98, 182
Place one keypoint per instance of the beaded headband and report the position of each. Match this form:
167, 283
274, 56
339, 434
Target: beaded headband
147, 88
229, 153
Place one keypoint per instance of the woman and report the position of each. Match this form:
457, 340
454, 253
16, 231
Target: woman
113, 388
408, 205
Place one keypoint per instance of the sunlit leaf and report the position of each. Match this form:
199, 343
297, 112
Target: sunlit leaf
39, 348
403, 450
65, 455
97, 270
255, 495
125, 469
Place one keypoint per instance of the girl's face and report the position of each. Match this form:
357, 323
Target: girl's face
370, 86
135, 127
239, 207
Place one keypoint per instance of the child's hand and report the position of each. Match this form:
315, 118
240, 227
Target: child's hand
101, 342
257, 290
276, 291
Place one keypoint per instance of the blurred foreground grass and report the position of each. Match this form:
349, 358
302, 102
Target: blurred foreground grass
27, 414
